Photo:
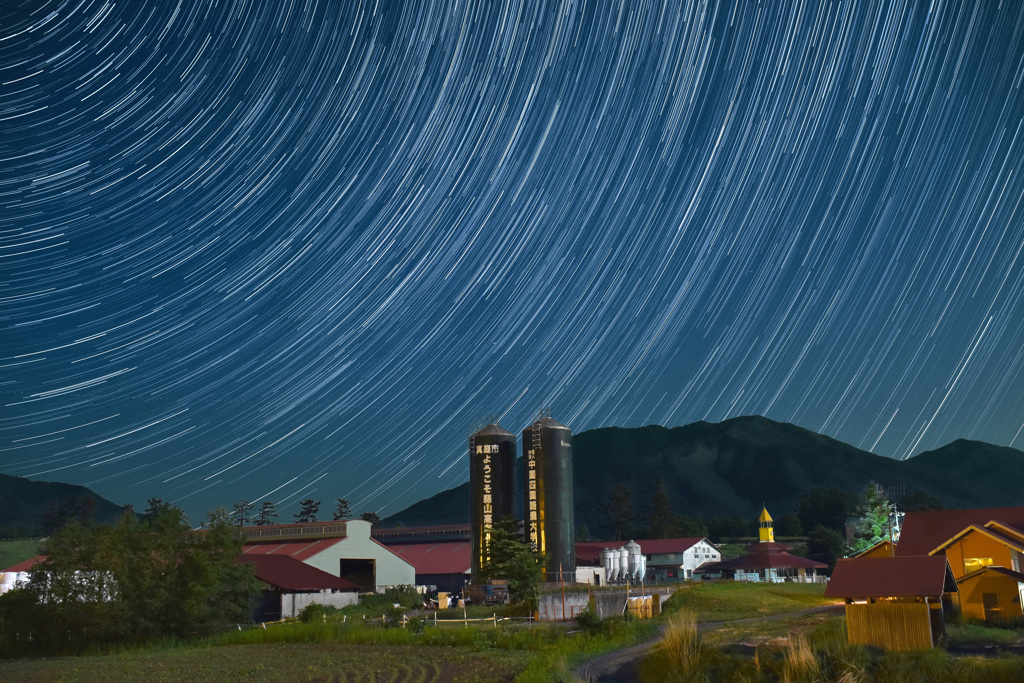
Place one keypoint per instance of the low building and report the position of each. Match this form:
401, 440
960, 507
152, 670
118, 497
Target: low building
344, 549
289, 585
896, 603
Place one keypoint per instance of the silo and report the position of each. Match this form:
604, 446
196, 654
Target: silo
492, 471
547, 496
610, 562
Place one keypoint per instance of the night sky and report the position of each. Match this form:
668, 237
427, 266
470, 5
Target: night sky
272, 250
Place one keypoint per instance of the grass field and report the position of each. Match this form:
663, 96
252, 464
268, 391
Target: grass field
726, 601
283, 662
13, 552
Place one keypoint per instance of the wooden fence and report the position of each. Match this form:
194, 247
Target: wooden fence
890, 625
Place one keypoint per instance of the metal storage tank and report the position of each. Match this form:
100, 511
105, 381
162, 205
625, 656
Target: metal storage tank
547, 496
492, 472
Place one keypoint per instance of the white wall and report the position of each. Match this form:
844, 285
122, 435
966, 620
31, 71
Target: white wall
292, 603
391, 570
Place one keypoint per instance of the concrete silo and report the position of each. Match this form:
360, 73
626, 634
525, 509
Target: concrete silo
547, 496
492, 477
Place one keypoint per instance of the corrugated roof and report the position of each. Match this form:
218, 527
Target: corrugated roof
757, 561
300, 550
436, 558
923, 532
589, 552
290, 574
891, 577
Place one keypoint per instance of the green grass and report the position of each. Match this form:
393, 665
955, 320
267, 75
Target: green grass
18, 550
282, 662
727, 600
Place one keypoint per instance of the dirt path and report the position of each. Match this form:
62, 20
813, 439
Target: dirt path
620, 666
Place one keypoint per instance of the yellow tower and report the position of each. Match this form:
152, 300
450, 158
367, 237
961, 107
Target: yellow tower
765, 532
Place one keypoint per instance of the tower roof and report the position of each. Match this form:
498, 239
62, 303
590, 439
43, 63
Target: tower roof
765, 517
548, 423
493, 429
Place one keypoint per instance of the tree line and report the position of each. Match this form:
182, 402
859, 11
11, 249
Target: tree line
245, 513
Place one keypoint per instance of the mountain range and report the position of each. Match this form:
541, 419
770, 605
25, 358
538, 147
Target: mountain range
734, 467
722, 469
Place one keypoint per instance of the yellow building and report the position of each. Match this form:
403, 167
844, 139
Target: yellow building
986, 561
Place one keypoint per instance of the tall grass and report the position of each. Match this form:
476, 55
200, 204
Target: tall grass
681, 644
799, 661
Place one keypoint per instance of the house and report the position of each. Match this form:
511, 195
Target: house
985, 551
897, 603
765, 560
667, 559
289, 585
343, 549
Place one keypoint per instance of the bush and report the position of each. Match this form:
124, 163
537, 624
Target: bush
316, 612
588, 619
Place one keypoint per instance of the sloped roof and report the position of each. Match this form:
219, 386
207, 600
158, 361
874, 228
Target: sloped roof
436, 558
290, 574
589, 552
923, 532
26, 565
300, 550
992, 569
992, 532
769, 560
891, 577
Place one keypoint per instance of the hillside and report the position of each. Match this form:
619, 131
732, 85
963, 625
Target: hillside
25, 502
733, 467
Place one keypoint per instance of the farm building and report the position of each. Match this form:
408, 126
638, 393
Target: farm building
289, 585
443, 566
667, 559
342, 549
896, 603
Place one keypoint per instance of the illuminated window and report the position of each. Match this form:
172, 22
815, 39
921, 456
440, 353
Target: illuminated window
975, 563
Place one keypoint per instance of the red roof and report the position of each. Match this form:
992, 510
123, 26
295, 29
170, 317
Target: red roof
772, 557
436, 558
923, 532
290, 574
300, 550
26, 565
891, 577
589, 552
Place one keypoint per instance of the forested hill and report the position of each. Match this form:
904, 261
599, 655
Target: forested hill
733, 467
29, 507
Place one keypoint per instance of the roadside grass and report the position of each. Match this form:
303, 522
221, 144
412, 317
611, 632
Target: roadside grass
814, 648
728, 601
980, 633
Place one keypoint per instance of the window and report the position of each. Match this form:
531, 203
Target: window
975, 563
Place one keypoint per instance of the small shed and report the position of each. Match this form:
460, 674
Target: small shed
290, 585
992, 593
896, 603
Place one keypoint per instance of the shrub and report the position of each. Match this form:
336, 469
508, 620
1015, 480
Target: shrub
315, 612
588, 619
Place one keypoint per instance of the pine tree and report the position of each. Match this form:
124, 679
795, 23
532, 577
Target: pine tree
342, 511
267, 513
369, 516
307, 510
512, 558
874, 524
241, 512
618, 509
661, 520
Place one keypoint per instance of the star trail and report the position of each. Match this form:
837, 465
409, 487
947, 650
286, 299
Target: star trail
271, 250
